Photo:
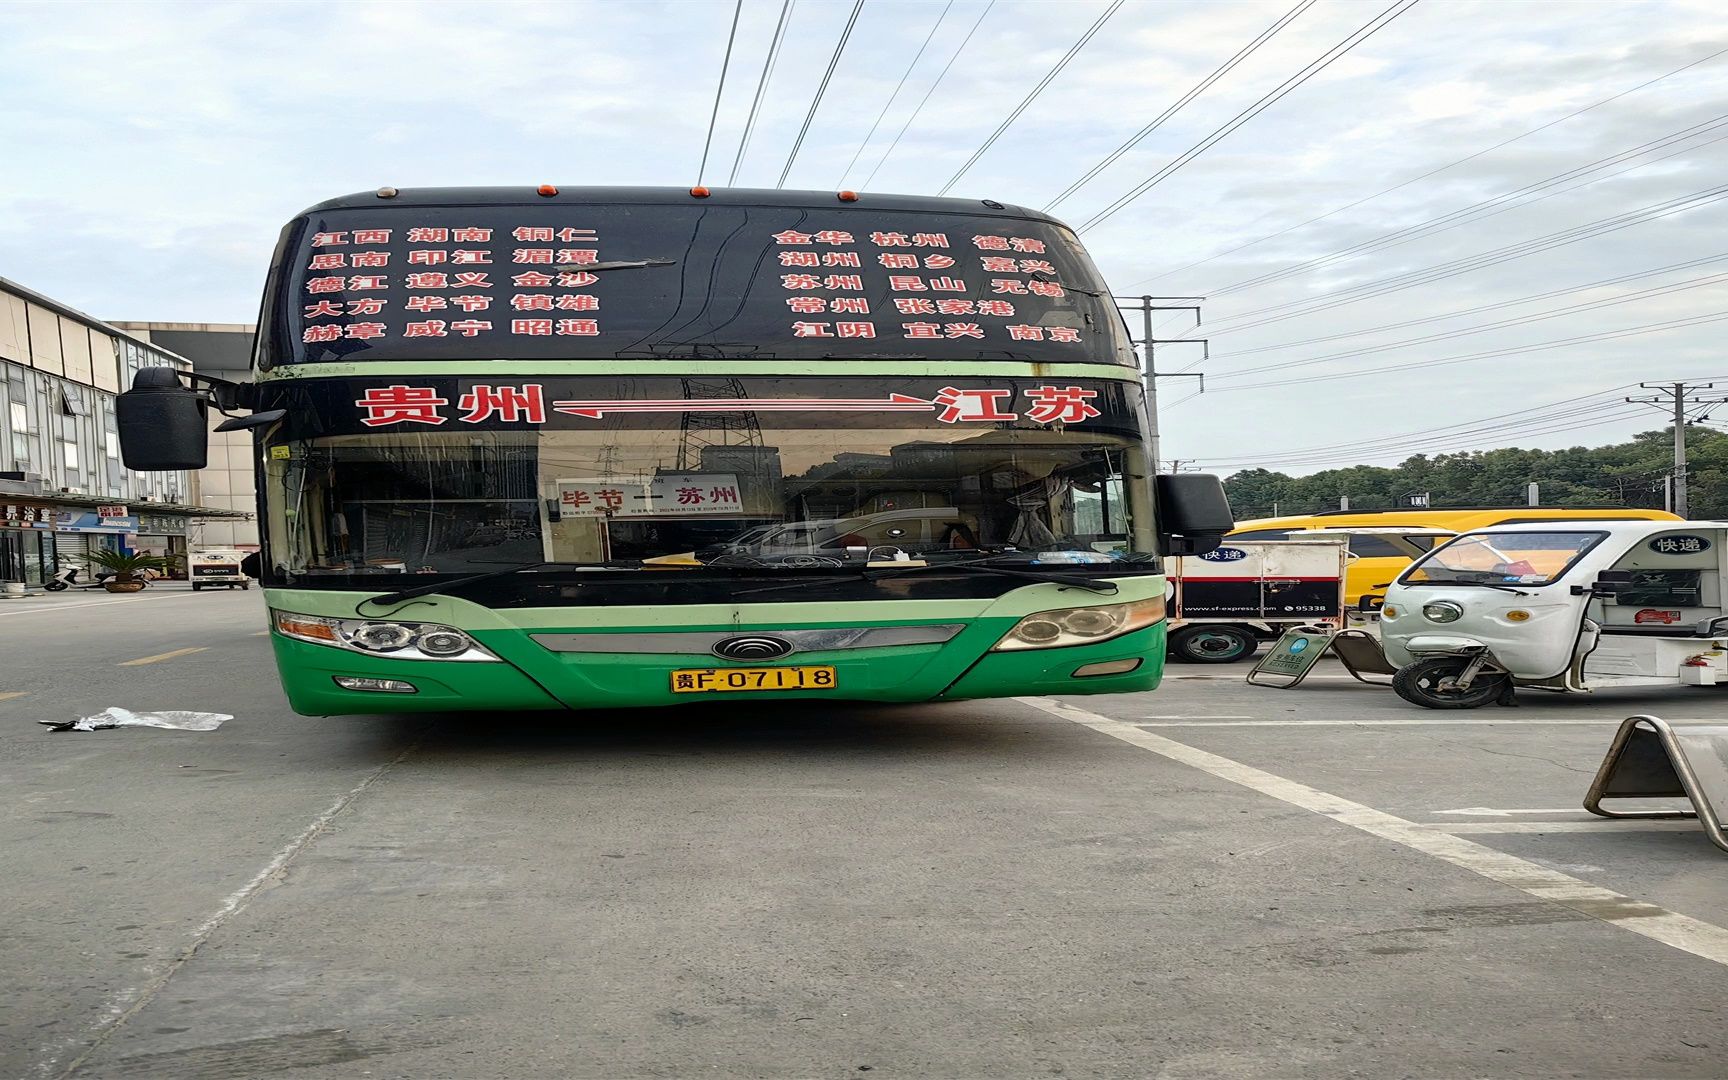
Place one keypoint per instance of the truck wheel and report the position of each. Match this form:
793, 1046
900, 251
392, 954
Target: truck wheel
1212, 644
245, 585
1421, 683
195, 588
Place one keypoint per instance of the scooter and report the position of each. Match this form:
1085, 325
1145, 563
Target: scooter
69, 578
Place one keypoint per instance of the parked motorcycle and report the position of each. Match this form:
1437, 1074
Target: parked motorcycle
72, 577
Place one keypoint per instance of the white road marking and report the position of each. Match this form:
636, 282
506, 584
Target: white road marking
1242, 679
1702, 939
1492, 811
159, 657
121, 1011
1597, 825
1391, 721
1198, 719
98, 603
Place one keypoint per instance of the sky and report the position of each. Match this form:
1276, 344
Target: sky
1478, 227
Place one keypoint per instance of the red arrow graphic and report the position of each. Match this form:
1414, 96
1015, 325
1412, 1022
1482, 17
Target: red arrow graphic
594, 410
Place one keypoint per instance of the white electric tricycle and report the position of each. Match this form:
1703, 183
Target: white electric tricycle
1567, 607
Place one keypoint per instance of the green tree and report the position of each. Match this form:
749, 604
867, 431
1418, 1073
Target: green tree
1629, 474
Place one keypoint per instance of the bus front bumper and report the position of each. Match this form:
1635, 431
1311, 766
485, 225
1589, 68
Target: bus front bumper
533, 678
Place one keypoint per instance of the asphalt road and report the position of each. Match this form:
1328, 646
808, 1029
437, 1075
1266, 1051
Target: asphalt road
1208, 881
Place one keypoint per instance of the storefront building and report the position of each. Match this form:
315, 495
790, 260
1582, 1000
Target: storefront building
63, 489
222, 351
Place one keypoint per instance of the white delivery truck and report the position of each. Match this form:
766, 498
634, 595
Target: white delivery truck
1225, 602
217, 567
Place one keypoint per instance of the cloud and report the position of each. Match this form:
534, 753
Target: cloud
155, 149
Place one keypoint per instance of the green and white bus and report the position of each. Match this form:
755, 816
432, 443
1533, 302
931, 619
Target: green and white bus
599, 447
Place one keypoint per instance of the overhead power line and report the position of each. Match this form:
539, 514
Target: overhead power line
1466, 436
768, 63
1503, 324
1522, 420
1362, 34
1499, 204
886, 105
1470, 435
702, 169
1340, 460
886, 154
1426, 275
1073, 51
1200, 88
816, 102
1518, 350
1477, 310
1525, 414
1431, 173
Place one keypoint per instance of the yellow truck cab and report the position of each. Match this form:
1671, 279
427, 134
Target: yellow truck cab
1380, 550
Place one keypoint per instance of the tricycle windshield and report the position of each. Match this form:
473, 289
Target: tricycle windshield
1502, 558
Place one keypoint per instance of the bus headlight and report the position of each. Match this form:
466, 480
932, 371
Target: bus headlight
380, 637
1081, 625
442, 641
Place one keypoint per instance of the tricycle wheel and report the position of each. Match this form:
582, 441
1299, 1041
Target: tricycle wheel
1212, 644
1426, 683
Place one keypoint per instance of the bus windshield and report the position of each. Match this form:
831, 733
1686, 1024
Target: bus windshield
683, 281
765, 488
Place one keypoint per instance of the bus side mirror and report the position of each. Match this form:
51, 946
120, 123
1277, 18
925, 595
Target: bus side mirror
162, 423
1193, 513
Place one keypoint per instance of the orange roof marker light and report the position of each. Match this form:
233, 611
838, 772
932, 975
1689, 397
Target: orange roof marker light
847, 196
699, 192
547, 190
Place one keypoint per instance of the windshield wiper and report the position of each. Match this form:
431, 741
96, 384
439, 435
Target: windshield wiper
1475, 584
1053, 279
441, 586
625, 264
976, 566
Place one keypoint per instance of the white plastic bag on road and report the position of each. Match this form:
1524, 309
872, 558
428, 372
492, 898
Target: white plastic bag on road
113, 717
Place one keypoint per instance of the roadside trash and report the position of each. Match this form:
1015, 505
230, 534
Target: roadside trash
113, 717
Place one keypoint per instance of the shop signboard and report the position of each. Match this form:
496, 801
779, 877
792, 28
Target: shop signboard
23, 515
90, 521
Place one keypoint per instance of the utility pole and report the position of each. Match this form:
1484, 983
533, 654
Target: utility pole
1677, 396
1150, 374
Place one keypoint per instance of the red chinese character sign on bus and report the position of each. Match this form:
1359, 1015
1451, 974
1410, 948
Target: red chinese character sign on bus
530, 404
528, 282
670, 495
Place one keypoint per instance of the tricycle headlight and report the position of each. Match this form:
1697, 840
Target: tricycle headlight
378, 637
1081, 625
1442, 611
